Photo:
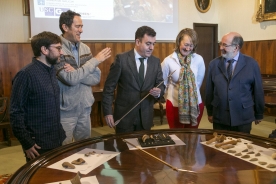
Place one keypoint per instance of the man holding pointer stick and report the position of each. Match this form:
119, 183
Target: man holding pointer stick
135, 74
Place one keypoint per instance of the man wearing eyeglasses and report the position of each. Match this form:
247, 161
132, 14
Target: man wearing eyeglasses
234, 91
34, 111
77, 72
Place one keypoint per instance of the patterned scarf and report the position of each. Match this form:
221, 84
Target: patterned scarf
187, 93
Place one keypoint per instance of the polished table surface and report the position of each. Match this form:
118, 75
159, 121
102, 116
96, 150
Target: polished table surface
133, 166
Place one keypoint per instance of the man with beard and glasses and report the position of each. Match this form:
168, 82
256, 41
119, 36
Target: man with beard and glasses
34, 111
234, 91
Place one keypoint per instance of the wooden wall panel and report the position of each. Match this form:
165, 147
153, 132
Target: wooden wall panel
256, 51
14, 56
246, 49
268, 48
2, 59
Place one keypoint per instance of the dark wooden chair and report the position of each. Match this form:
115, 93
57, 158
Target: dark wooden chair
4, 120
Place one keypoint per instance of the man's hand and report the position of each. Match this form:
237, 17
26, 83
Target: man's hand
104, 54
210, 119
109, 121
257, 122
32, 153
68, 68
155, 92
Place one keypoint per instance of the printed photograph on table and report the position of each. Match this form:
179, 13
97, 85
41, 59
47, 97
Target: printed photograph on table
203, 5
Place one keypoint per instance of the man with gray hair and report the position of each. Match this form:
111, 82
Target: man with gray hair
234, 91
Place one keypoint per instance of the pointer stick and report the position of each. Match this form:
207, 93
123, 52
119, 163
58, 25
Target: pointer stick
118, 121
174, 168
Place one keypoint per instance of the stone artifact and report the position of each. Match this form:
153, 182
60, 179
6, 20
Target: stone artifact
271, 166
249, 146
258, 154
233, 142
245, 156
216, 138
251, 152
262, 163
231, 151
89, 153
145, 137
253, 159
79, 161
67, 165
228, 146
273, 156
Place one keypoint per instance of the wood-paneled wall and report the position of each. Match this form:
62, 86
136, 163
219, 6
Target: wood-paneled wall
14, 56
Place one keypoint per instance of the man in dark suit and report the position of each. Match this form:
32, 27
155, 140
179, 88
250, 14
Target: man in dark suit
234, 91
135, 73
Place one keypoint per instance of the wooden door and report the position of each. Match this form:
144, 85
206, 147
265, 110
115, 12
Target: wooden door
207, 46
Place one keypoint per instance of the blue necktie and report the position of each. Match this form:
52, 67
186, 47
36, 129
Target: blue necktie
141, 71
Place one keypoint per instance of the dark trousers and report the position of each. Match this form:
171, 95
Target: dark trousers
246, 128
136, 126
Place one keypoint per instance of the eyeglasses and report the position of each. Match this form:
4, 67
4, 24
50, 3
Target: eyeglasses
188, 45
58, 48
225, 45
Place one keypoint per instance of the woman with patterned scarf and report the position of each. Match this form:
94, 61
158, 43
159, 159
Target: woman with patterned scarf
184, 106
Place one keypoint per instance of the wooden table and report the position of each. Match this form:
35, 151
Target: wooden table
269, 85
133, 166
270, 100
98, 96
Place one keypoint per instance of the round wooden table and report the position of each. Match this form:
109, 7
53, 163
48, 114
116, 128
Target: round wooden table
134, 166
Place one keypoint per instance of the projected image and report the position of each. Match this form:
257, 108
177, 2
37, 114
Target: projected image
89, 9
145, 10
134, 10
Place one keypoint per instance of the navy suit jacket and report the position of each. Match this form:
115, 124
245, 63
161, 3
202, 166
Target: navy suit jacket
123, 74
244, 93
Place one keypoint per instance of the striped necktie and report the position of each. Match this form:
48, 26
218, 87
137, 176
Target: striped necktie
230, 68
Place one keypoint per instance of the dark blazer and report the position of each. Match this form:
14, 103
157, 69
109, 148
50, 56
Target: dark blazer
123, 76
244, 92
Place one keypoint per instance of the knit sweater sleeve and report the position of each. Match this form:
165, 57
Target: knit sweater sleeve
93, 78
75, 77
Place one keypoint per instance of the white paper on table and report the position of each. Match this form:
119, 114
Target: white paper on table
241, 146
86, 180
135, 142
91, 162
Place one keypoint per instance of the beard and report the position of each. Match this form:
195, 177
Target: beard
51, 60
227, 55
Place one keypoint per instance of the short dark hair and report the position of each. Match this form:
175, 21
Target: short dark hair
191, 33
238, 40
43, 39
141, 31
67, 19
